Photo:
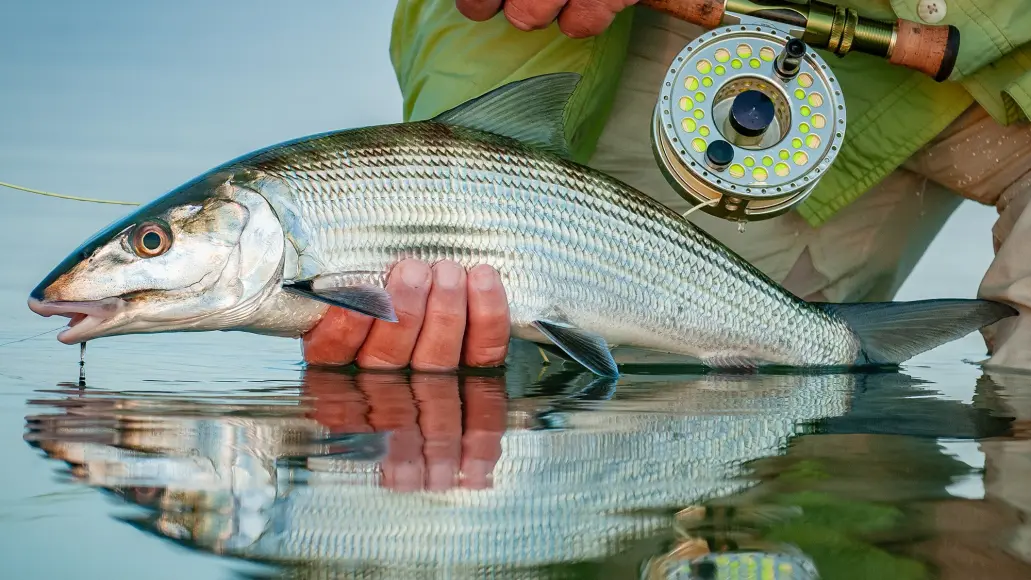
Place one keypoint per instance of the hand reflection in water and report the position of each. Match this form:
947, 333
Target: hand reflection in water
445, 429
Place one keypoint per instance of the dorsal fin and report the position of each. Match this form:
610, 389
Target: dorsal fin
531, 111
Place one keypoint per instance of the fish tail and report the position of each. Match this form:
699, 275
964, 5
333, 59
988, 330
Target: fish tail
893, 332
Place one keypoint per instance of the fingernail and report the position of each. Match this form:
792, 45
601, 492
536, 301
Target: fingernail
483, 278
442, 476
372, 362
477, 474
408, 477
520, 24
415, 274
448, 275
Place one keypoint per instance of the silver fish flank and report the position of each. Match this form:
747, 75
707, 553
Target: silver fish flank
266, 242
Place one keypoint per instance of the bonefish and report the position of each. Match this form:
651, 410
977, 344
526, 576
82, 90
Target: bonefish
267, 242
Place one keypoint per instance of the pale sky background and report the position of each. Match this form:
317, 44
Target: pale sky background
126, 100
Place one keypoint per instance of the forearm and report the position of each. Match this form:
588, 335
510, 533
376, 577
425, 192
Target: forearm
1008, 279
991, 164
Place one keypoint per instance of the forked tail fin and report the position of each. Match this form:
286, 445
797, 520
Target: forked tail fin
893, 332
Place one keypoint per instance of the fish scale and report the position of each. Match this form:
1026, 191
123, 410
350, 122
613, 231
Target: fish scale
588, 263
613, 476
563, 238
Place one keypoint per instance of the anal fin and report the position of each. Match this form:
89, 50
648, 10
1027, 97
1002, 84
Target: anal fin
355, 446
584, 347
732, 362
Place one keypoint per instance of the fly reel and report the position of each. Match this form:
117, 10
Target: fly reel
749, 118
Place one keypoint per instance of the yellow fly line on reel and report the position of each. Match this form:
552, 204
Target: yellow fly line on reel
750, 117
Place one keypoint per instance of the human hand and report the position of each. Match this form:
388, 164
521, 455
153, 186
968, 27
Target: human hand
445, 317
576, 18
444, 431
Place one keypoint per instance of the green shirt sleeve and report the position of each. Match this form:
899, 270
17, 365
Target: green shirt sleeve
994, 63
442, 59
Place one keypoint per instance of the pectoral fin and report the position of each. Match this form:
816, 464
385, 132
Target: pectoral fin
586, 348
364, 298
356, 446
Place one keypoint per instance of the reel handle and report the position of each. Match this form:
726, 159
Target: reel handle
929, 49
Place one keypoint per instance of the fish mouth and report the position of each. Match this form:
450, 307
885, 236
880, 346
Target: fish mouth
86, 317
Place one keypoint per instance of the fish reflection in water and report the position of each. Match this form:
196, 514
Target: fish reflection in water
467, 474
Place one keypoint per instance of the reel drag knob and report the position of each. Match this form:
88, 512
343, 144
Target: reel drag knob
751, 114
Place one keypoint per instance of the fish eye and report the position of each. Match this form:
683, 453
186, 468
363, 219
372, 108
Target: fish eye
151, 239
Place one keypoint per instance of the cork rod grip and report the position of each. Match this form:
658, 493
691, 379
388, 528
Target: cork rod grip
931, 50
705, 13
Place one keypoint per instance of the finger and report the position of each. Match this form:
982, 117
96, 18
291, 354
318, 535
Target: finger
392, 408
532, 14
489, 327
336, 338
336, 403
584, 18
478, 10
390, 344
485, 419
439, 346
440, 420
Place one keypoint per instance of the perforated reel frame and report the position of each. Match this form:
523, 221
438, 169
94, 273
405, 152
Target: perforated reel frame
767, 179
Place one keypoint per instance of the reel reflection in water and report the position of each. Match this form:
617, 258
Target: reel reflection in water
748, 121
704, 551
741, 565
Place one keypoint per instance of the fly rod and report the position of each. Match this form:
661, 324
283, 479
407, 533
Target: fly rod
926, 48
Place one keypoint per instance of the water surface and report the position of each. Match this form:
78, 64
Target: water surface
533, 471
217, 456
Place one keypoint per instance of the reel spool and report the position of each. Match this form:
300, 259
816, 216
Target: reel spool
749, 118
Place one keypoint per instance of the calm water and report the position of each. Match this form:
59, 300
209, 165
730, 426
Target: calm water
166, 462
217, 456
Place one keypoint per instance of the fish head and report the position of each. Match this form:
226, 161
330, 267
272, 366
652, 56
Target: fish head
202, 257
